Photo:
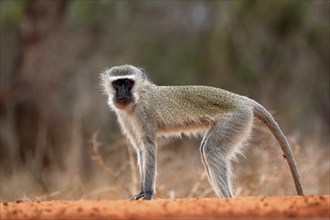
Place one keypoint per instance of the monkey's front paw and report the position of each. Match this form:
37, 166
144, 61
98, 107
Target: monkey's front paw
145, 195
148, 195
138, 196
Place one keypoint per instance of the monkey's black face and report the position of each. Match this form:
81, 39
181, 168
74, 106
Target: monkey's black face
123, 92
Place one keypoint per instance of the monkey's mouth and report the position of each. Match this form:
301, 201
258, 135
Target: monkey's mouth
122, 102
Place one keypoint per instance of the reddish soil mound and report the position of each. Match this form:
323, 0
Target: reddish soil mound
294, 206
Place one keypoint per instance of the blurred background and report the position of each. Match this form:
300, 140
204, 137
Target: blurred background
59, 139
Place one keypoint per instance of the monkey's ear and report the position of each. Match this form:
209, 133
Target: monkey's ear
143, 73
103, 75
104, 80
142, 70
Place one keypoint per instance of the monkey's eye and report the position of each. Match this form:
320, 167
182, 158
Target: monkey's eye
129, 83
116, 83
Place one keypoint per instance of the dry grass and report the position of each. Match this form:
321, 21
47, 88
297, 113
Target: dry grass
113, 175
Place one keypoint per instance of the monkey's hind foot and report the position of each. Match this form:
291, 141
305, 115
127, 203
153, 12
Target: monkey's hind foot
145, 195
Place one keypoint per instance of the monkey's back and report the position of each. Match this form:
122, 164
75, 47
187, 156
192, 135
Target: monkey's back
182, 105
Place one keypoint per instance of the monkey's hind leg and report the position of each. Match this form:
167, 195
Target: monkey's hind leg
218, 147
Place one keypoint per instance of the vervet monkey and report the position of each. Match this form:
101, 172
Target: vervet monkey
146, 111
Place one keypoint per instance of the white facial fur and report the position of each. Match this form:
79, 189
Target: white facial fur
107, 79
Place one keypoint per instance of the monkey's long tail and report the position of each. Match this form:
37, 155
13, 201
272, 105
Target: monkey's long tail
262, 114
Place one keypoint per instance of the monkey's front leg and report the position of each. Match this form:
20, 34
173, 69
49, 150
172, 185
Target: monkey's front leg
139, 154
149, 169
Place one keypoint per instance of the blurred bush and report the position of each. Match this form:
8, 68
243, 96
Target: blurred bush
52, 52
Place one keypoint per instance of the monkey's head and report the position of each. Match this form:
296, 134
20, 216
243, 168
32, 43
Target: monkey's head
123, 84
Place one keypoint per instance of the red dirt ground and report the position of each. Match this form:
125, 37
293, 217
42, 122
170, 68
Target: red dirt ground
266, 207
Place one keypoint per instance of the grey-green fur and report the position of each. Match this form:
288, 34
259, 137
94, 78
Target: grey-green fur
223, 118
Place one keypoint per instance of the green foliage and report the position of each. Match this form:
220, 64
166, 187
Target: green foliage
89, 13
11, 12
